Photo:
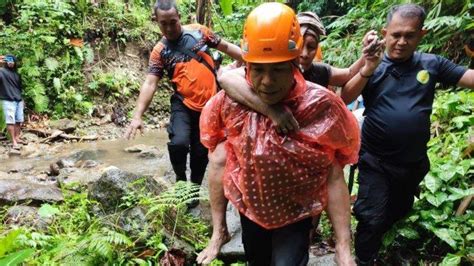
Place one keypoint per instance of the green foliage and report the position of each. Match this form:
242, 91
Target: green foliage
170, 207
446, 21
77, 236
51, 67
116, 85
9, 253
433, 220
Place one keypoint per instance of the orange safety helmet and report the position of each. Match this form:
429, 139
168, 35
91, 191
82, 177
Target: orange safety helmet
271, 34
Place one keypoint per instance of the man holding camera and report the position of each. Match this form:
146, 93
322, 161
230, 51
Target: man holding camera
10, 98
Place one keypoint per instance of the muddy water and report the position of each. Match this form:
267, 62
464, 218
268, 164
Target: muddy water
106, 152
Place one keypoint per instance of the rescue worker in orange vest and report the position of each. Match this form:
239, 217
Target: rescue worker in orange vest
183, 54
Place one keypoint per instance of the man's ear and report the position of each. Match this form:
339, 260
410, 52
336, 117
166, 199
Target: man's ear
383, 31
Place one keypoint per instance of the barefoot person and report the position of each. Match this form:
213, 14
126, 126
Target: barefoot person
235, 85
10, 97
279, 182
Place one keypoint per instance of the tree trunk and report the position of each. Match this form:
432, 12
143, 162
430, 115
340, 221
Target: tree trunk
204, 12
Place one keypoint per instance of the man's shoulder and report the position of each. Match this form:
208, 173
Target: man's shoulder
194, 26
316, 91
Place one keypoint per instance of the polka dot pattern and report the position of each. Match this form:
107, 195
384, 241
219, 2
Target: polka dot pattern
273, 179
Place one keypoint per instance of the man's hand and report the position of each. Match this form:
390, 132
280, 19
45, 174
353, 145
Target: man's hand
373, 53
135, 125
369, 37
282, 118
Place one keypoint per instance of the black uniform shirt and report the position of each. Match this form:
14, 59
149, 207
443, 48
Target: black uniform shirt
318, 73
10, 85
398, 100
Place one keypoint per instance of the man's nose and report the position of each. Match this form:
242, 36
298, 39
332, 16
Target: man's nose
304, 53
267, 79
402, 41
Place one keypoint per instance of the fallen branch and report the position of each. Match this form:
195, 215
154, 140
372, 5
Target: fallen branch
59, 134
464, 205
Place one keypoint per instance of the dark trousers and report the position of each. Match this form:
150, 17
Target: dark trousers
285, 246
386, 194
183, 132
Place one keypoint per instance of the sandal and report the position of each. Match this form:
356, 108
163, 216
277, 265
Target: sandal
23, 142
16, 147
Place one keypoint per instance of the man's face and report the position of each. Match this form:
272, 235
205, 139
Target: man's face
272, 81
310, 47
402, 37
168, 21
9, 61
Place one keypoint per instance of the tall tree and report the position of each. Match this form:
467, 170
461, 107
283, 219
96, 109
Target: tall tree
204, 12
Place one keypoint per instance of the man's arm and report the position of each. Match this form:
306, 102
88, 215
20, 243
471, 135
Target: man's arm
235, 85
338, 210
356, 84
144, 99
467, 80
340, 76
230, 49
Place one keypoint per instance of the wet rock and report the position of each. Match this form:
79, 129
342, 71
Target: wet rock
76, 159
106, 119
135, 224
12, 176
88, 164
116, 183
30, 137
78, 175
326, 260
65, 163
14, 152
12, 191
66, 125
149, 153
21, 169
54, 169
87, 155
40, 178
234, 248
3, 149
26, 216
137, 148
33, 150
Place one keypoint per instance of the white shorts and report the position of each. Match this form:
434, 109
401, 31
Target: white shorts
13, 111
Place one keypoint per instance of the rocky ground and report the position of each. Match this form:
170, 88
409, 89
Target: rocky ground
23, 182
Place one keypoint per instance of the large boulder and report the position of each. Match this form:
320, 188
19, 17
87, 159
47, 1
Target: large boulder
66, 125
116, 183
21, 215
135, 223
12, 190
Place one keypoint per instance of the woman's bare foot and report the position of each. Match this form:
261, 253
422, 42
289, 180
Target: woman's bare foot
218, 239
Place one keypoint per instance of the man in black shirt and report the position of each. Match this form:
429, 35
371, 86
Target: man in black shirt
398, 91
10, 97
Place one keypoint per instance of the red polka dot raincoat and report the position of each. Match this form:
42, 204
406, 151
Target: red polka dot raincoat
273, 179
